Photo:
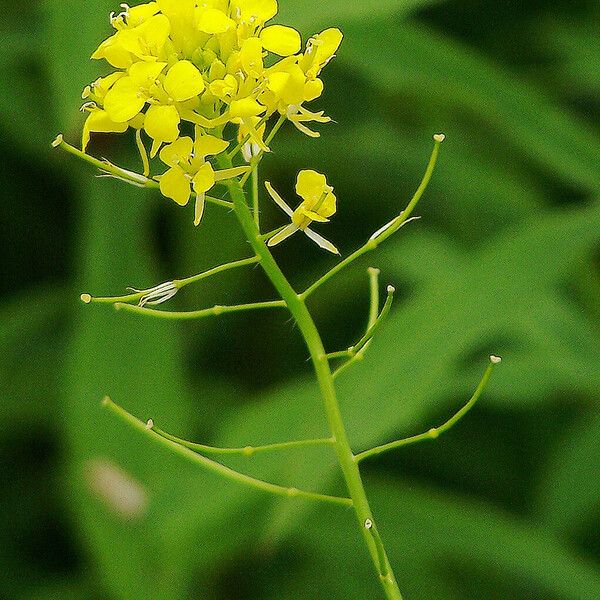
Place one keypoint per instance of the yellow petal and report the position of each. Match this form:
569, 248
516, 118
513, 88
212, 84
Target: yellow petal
114, 53
314, 216
136, 15
320, 51
154, 33
144, 74
288, 84
327, 43
214, 21
209, 145
175, 185
313, 89
177, 152
281, 40
329, 206
261, 10
246, 107
277, 82
204, 179
101, 86
162, 123
183, 81
124, 101
99, 121
251, 57
310, 185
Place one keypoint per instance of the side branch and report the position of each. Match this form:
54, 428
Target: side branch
357, 352
246, 450
218, 468
435, 432
198, 314
165, 291
387, 230
109, 169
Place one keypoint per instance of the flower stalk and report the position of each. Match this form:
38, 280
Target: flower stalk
208, 70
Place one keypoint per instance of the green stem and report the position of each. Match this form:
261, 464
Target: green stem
256, 160
435, 432
305, 322
378, 321
218, 468
357, 352
198, 314
255, 200
246, 450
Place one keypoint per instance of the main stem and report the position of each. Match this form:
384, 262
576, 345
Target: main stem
349, 466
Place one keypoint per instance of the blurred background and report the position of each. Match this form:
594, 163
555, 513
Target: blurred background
506, 260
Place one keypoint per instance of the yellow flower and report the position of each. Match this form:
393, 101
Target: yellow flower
98, 119
128, 96
318, 204
145, 41
320, 49
190, 170
145, 84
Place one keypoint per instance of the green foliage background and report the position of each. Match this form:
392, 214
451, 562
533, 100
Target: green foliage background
505, 260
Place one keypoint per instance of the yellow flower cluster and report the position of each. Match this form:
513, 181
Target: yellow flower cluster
191, 67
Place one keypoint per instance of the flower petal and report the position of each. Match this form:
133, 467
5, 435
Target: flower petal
175, 185
209, 145
123, 101
284, 234
180, 150
162, 123
310, 185
261, 10
183, 81
321, 241
144, 74
204, 179
214, 21
281, 40
246, 107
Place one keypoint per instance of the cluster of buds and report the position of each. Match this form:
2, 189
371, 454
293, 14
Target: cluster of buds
192, 76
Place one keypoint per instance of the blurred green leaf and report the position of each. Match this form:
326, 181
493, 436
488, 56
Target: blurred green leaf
577, 53
419, 62
569, 488
306, 14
